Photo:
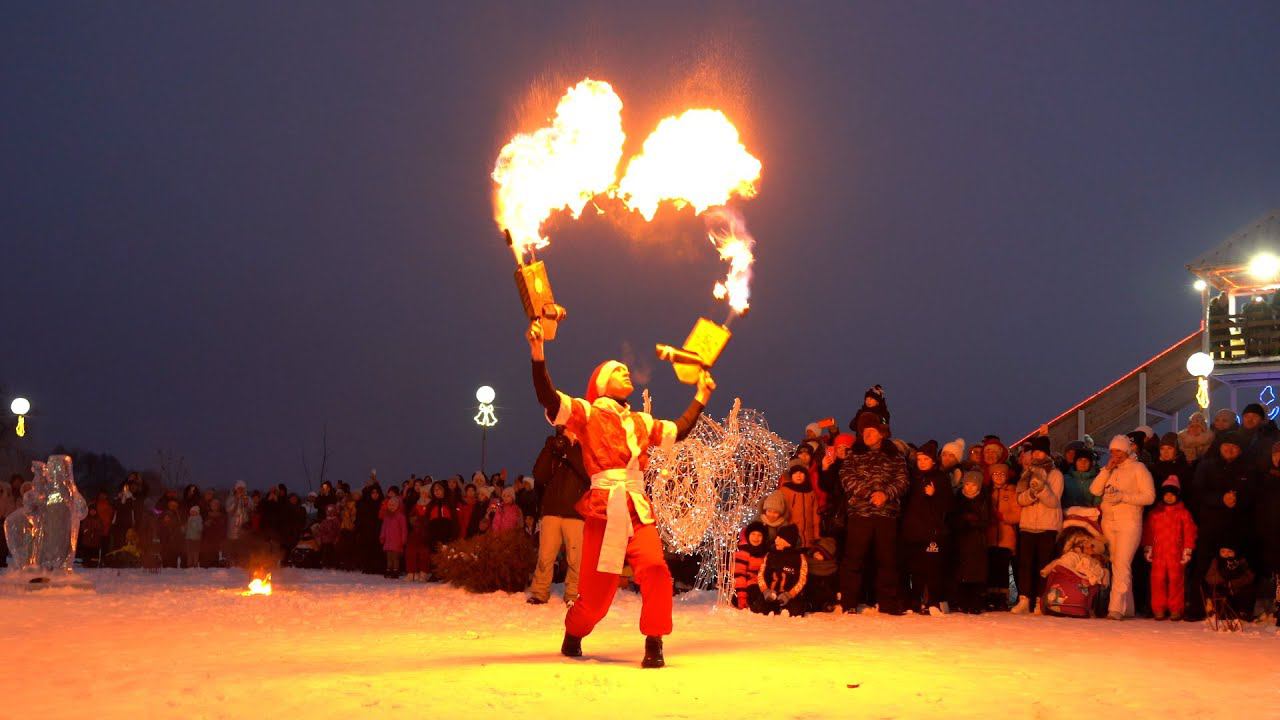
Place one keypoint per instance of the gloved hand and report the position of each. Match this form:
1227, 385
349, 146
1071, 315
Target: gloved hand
771, 595
1148, 553
784, 598
1186, 556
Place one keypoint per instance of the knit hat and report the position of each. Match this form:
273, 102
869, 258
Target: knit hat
1138, 438
1087, 519
956, 448
776, 502
875, 391
791, 534
1197, 416
1254, 408
972, 477
1171, 484
1145, 430
844, 439
1123, 443
755, 527
600, 379
1233, 438
1169, 439
1225, 412
812, 429
1041, 443
929, 450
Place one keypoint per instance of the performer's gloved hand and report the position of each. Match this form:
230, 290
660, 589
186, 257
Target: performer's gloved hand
1186, 555
771, 595
1148, 553
706, 386
536, 348
784, 598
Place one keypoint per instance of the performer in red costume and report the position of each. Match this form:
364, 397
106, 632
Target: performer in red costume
619, 527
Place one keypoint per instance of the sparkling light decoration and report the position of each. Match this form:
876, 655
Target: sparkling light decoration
710, 485
486, 416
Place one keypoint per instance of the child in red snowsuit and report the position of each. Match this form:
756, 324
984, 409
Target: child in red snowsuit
619, 522
1168, 538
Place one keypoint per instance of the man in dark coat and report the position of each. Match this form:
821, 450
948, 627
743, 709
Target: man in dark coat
559, 481
925, 529
1224, 505
874, 479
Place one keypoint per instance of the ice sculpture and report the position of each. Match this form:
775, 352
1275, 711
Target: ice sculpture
42, 532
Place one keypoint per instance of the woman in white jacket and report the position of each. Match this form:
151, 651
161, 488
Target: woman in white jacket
1126, 488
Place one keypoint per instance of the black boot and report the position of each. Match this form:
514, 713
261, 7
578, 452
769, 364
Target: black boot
653, 653
571, 647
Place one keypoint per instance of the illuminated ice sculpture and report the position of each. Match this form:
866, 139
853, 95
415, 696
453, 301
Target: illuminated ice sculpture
42, 532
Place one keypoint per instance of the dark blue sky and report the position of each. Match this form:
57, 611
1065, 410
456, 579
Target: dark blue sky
225, 227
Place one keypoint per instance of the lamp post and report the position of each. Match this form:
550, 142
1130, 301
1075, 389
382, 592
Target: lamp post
1200, 366
485, 417
20, 407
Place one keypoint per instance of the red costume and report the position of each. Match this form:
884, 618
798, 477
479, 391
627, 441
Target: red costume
1171, 534
619, 522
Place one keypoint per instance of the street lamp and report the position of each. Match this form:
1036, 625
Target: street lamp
1200, 366
486, 417
1264, 266
20, 407
1199, 285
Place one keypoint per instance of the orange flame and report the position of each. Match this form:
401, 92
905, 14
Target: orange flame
259, 586
693, 159
561, 166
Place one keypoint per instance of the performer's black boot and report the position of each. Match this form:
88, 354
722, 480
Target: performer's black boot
653, 653
572, 646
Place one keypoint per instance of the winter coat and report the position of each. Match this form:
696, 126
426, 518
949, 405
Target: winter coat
970, 518
466, 521
1002, 530
1162, 470
418, 535
1267, 519
1168, 531
1213, 517
783, 571
1229, 581
441, 522
924, 516
802, 510
560, 478
214, 533
866, 472
195, 527
746, 570
395, 531
1075, 489
330, 528
1134, 491
1042, 508
1195, 447
506, 519
238, 511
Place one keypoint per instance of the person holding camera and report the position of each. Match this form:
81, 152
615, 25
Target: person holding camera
560, 478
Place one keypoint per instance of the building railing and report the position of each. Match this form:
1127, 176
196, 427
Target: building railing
1244, 337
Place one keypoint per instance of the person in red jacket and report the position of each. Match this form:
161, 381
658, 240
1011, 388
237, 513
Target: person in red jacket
1167, 541
618, 519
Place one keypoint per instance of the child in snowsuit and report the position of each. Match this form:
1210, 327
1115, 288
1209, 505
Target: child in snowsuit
1229, 592
969, 520
194, 532
747, 561
417, 550
782, 576
395, 531
925, 531
820, 591
1167, 543
1002, 536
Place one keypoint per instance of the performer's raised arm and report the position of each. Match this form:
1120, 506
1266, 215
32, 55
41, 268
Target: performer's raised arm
542, 385
685, 423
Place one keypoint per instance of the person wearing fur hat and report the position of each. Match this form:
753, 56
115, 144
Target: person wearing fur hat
1222, 505
802, 504
1002, 535
874, 478
618, 516
747, 560
969, 518
820, 591
872, 402
783, 575
1126, 489
1195, 439
925, 531
1168, 538
1040, 496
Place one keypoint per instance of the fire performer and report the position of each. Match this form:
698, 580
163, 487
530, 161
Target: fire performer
619, 526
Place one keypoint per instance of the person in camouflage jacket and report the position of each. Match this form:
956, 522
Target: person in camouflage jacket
874, 479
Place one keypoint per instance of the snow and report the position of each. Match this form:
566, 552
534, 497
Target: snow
186, 644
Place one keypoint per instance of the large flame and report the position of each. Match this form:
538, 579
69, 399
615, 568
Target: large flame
259, 586
695, 159
561, 166
728, 232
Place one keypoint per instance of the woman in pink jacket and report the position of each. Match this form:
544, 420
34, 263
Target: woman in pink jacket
395, 531
505, 516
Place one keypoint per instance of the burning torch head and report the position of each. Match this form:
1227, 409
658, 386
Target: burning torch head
537, 298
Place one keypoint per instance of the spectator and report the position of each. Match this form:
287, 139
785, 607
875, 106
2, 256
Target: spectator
417, 549
1002, 535
213, 535
820, 591
1040, 496
802, 503
171, 528
1267, 526
442, 520
873, 402
505, 516
467, 519
192, 535
560, 481
370, 555
1229, 584
773, 515
1126, 488
950, 461
327, 533
1077, 480
1223, 505
782, 577
874, 478
1195, 440
393, 534
925, 531
1168, 538
969, 523
324, 499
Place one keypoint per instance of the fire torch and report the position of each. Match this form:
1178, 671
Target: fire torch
535, 292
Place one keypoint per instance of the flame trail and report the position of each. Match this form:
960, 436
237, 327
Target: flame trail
728, 232
561, 166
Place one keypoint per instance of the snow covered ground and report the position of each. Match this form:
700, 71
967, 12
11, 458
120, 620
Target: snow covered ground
186, 644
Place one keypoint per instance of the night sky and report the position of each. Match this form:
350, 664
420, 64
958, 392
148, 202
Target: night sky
226, 227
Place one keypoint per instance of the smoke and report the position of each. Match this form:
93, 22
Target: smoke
641, 368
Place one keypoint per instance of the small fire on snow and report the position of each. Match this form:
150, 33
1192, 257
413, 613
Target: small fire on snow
259, 586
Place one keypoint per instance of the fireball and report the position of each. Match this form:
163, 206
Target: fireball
259, 586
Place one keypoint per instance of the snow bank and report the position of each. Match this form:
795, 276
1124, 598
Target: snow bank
186, 644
